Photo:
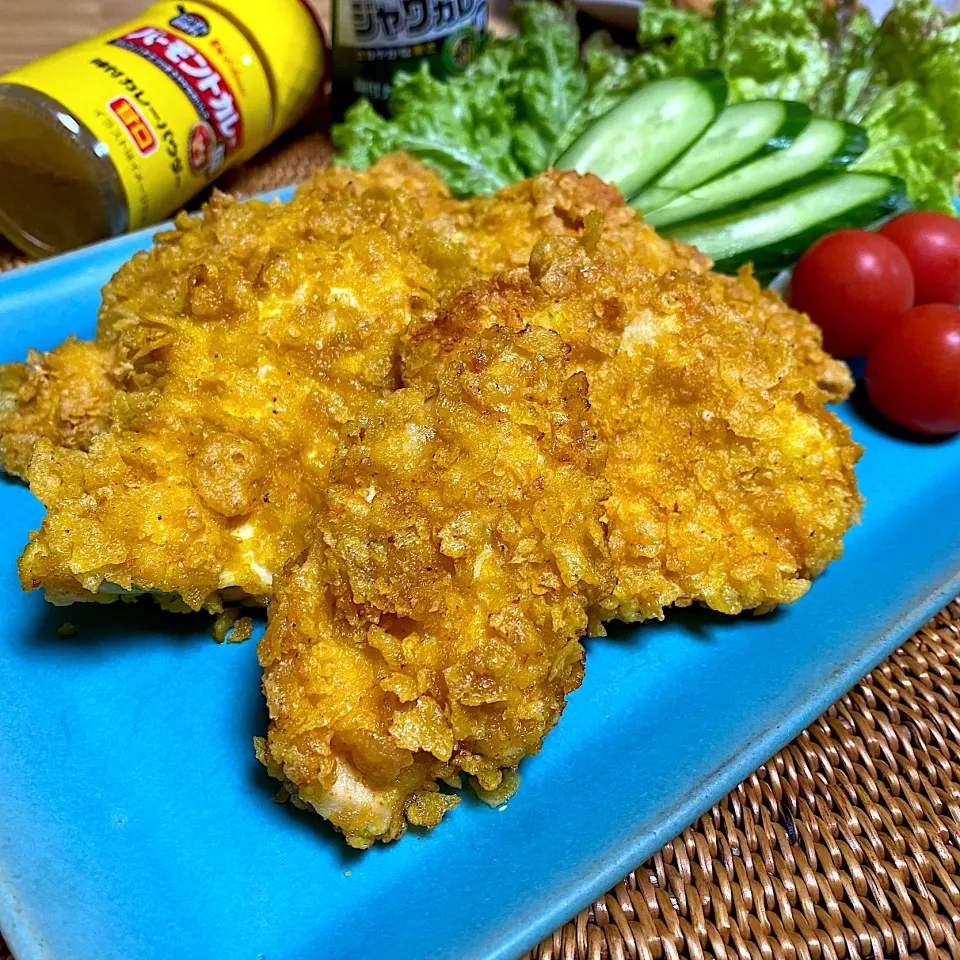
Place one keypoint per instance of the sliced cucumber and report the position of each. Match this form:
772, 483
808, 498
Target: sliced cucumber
823, 145
774, 234
642, 135
740, 132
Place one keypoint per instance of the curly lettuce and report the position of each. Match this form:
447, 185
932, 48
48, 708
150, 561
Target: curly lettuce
779, 49
900, 79
464, 132
529, 96
496, 123
909, 139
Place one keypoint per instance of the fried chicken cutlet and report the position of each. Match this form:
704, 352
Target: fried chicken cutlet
732, 485
252, 334
232, 353
432, 628
66, 395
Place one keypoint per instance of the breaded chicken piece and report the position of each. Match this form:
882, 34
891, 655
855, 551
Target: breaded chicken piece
433, 626
247, 338
468, 240
253, 334
732, 485
66, 395
63, 396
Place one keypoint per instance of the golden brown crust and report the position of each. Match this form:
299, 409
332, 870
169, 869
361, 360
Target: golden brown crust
247, 338
256, 331
732, 485
432, 628
66, 397
435, 551
63, 396
251, 335
500, 231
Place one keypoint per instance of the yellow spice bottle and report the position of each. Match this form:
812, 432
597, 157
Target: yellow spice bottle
117, 132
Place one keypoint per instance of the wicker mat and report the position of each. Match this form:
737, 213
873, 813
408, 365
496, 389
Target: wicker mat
845, 844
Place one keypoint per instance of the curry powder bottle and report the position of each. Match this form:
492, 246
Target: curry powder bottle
117, 132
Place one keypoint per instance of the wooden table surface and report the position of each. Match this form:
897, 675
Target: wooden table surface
32, 28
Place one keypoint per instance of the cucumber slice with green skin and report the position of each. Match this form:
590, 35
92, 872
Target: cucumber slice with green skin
774, 234
740, 133
645, 133
824, 145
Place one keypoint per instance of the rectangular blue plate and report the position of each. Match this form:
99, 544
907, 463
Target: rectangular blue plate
135, 821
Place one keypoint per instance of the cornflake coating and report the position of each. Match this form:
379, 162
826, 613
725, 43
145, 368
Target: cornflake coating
500, 231
251, 335
433, 626
235, 349
63, 396
732, 485
66, 395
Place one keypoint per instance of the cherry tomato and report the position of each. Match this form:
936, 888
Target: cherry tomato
931, 242
852, 283
913, 370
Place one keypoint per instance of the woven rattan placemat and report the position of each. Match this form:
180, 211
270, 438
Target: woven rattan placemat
845, 844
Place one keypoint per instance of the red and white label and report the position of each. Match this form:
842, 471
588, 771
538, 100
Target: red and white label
210, 94
136, 125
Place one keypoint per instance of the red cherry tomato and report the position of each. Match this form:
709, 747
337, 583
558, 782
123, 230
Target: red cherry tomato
852, 283
913, 370
931, 242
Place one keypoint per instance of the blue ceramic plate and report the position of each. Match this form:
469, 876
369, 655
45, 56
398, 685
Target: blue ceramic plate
136, 823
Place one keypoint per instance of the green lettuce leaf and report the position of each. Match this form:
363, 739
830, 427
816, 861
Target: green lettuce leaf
900, 79
908, 139
768, 48
496, 123
919, 42
850, 33
774, 49
674, 41
459, 132
913, 119
549, 82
